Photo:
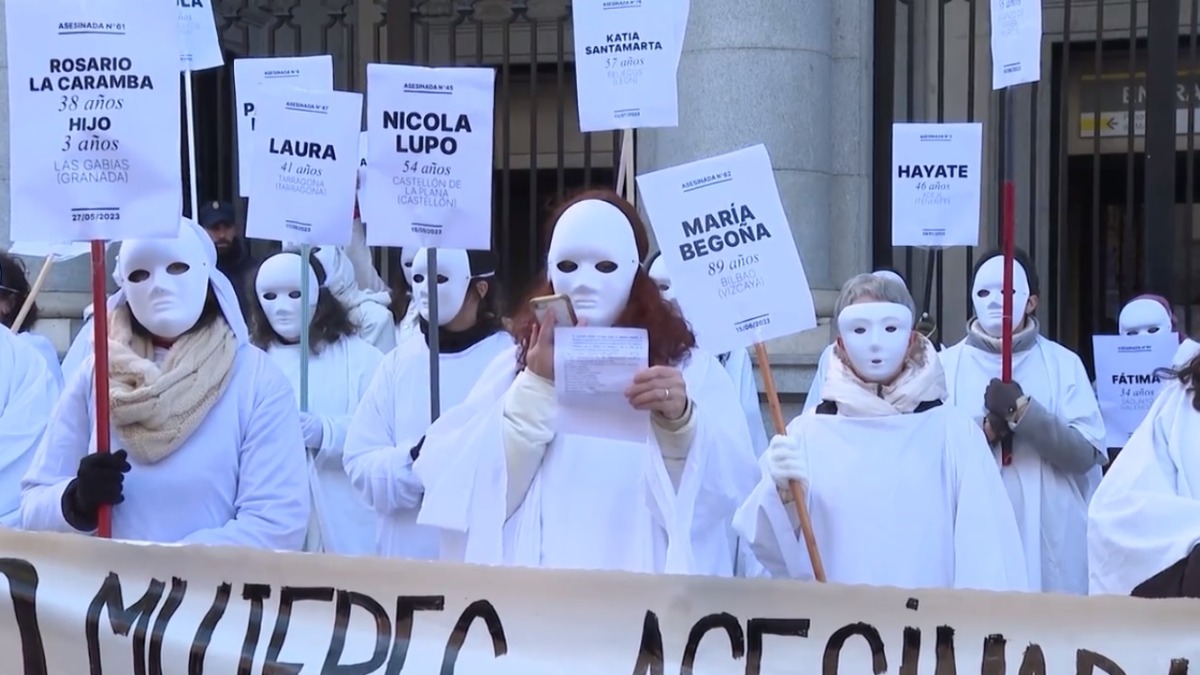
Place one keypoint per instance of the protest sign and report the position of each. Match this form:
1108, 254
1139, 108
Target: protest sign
626, 59
729, 249
362, 177
1126, 383
79, 605
936, 176
199, 47
429, 156
250, 76
88, 91
1016, 42
305, 166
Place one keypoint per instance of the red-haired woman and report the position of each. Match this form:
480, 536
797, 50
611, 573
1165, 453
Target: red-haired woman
505, 487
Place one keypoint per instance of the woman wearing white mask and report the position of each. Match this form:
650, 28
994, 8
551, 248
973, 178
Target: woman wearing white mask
1050, 413
368, 309
901, 489
204, 430
340, 366
28, 393
1144, 520
385, 436
736, 363
404, 309
504, 486
1149, 314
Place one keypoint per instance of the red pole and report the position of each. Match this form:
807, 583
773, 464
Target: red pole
100, 350
1006, 357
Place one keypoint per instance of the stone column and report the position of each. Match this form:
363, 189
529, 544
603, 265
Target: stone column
794, 75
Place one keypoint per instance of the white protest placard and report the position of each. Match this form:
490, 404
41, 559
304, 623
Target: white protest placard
91, 89
304, 168
78, 604
1016, 42
1126, 383
314, 73
429, 156
626, 59
729, 250
936, 182
46, 249
199, 47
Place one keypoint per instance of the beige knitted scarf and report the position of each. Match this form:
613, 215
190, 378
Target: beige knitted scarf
155, 409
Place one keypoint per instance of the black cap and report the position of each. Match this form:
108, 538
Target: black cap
215, 213
483, 263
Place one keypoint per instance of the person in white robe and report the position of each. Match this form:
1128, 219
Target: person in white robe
901, 489
505, 486
1148, 314
386, 433
813, 398
737, 363
14, 292
404, 309
204, 433
1050, 414
1144, 520
365, 274
28, 394
369, 310
340, 366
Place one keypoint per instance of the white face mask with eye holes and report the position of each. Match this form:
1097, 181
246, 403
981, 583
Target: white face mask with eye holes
593, 259
407, 256
875, 337
1144, 317
165, 282
987, 294
277, 287
658, 274
454, 278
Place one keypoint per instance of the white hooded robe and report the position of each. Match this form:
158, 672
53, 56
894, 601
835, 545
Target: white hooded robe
28, 394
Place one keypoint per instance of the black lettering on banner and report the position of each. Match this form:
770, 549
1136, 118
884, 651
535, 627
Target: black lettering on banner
723, 620
428, 122
208, 624
833, 648
757, 628
22, 591
289, 595
994, 659
1087, 661
406, 607
910, 655
480, 609
932, 171
733, 227
945, 663
174, 600
650, 652
346, 601
1034, 661
120, 619
256, 594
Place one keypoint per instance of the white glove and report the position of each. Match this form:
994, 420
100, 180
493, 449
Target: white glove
786, 462
313, 430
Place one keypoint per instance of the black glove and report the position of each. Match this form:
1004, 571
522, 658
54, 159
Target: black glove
1001, 398
98, 482
999, 427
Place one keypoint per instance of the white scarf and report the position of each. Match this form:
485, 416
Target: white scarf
921, 380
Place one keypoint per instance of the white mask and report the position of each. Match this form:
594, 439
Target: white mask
875, 337
277, 287
987, 294
165, 282
658, 274
593, 259
454, 278
1144, 317
407, 256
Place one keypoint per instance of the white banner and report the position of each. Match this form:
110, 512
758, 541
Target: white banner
729, 249
1016, 42
937, 171
89, 89
199, 47
626, 59
314, 73
1126, 384
79, 605
305, 166
429, 156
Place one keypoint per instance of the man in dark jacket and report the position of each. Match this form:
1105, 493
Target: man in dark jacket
233, 255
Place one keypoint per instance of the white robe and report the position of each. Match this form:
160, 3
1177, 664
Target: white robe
28, 394
81, 348
593, 503
912, 501
1050, 506
338, 376
741, 371
1145, 516
1188, 349
813, 399
46, 348
391, 419
408, 326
